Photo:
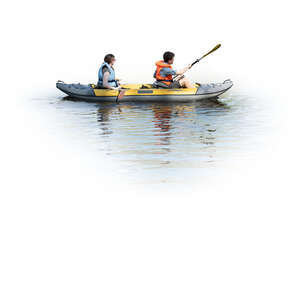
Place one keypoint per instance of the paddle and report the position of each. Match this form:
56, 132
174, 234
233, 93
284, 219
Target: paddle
197, 60
120, 95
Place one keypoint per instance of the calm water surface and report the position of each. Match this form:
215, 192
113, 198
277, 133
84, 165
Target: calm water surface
166, 141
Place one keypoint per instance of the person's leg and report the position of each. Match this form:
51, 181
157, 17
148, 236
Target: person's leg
185, 83
174, 85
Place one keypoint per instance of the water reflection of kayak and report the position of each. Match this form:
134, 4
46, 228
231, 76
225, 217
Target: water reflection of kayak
144, 92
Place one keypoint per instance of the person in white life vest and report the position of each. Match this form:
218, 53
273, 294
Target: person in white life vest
106, 74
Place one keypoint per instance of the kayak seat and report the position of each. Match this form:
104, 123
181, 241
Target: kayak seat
100, 87
160, 85
144, 87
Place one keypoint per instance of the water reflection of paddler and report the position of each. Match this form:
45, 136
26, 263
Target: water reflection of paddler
104, 113
162, 116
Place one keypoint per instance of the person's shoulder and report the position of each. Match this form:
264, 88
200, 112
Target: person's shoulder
105, 69
167, 70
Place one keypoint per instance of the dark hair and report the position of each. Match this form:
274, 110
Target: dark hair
108, 58
168, 56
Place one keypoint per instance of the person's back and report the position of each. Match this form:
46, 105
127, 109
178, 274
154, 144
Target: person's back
164, 73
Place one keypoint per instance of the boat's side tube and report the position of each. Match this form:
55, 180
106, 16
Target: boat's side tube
75, 89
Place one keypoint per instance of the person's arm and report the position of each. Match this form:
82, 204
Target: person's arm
105, 81
167, 71
182, 71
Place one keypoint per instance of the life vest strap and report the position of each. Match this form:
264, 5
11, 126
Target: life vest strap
109, 80
171, 80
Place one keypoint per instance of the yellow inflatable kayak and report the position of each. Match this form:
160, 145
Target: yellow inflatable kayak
144, 92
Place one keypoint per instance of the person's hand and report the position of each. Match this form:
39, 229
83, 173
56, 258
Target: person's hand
187, 68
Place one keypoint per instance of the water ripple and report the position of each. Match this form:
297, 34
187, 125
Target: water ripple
167, 136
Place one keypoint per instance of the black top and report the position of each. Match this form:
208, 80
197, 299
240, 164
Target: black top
105, 69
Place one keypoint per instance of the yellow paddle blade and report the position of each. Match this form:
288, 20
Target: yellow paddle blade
212, 50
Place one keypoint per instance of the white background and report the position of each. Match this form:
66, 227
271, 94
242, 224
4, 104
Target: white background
68, 231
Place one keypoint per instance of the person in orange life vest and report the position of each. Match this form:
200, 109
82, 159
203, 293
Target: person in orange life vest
164, 73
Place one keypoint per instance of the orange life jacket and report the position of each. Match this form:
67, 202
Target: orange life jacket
165, 79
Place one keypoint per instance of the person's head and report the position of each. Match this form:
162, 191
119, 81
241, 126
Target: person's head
169, 57
110, 59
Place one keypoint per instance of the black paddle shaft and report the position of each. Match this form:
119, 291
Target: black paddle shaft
197, 60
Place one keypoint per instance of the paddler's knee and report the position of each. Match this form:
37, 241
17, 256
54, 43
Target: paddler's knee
184, 82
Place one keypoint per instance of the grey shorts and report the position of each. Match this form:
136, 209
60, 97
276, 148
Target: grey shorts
174, 85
